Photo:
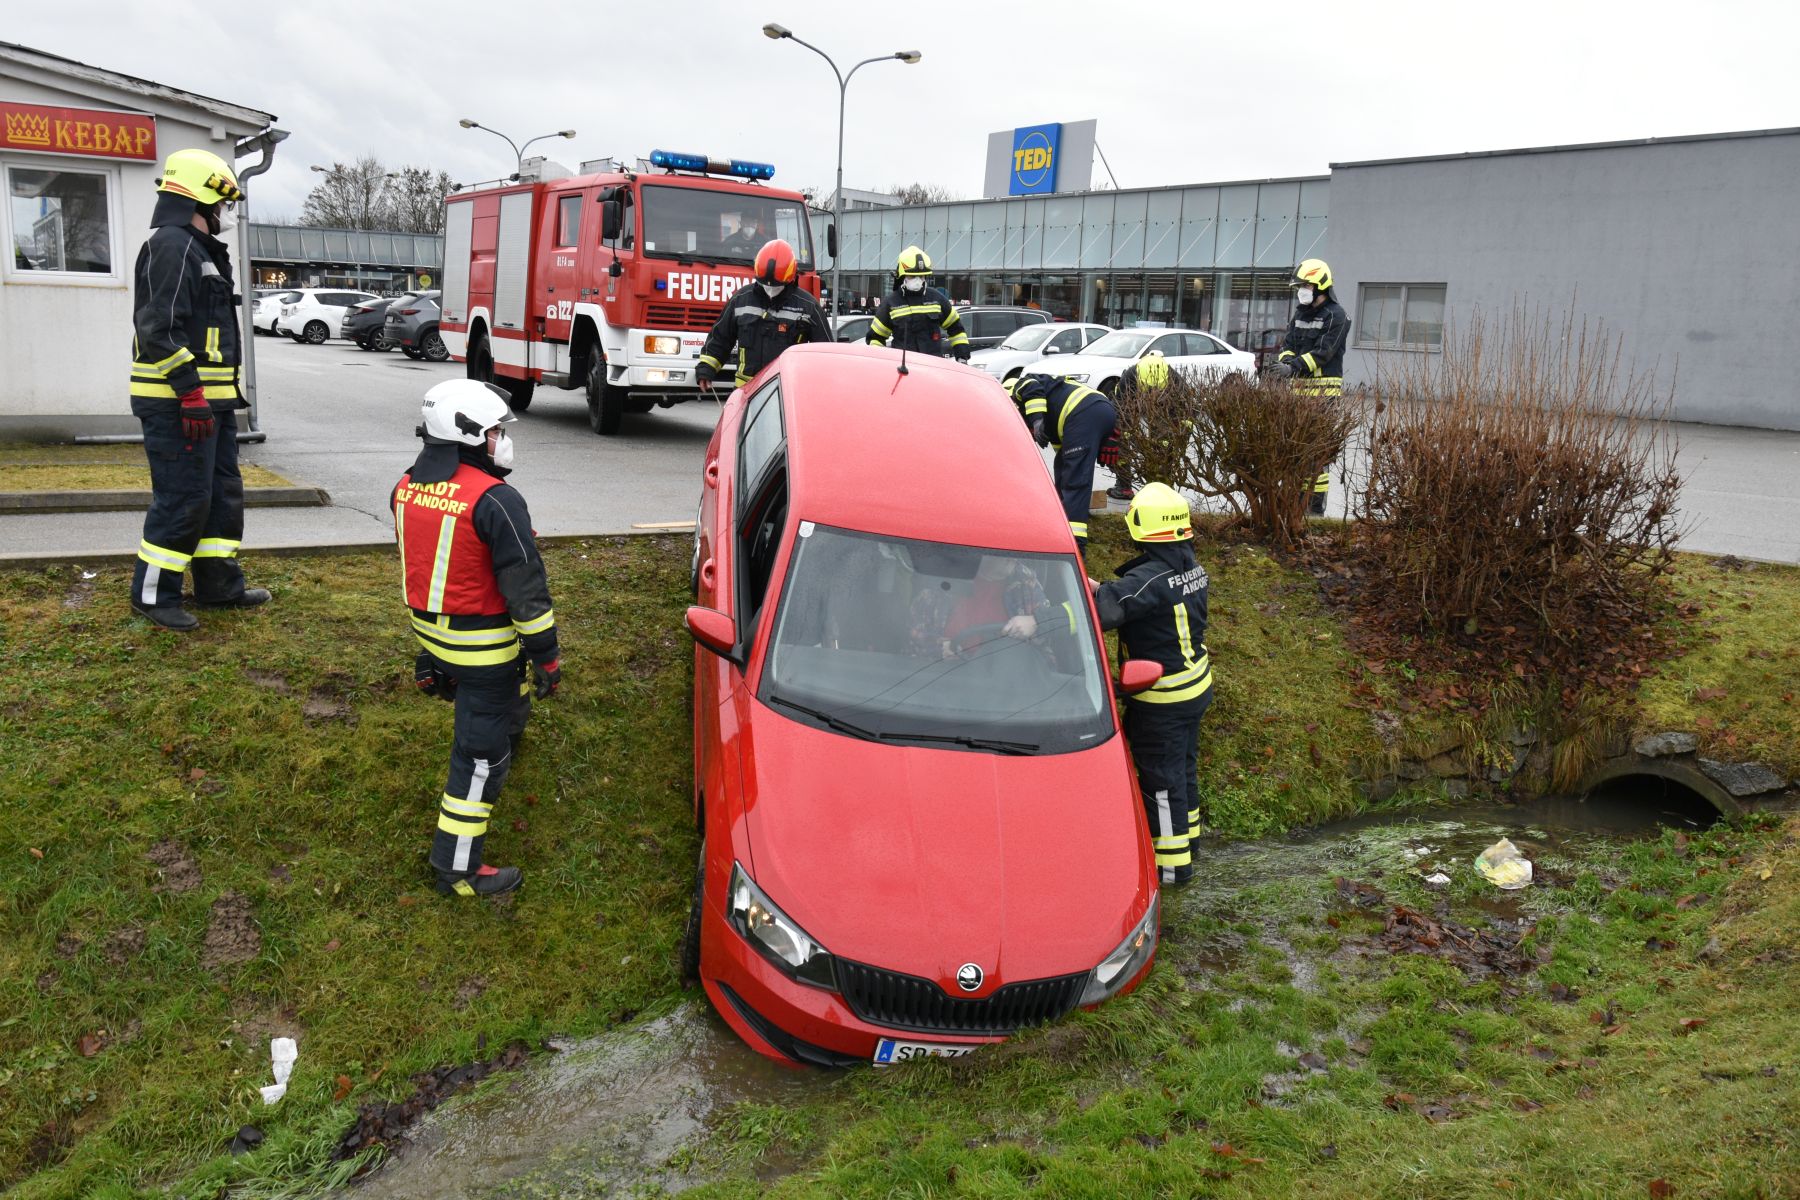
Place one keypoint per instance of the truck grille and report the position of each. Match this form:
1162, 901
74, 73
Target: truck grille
908, 1002
681, 316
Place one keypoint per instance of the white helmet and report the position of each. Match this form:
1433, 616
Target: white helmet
462, 411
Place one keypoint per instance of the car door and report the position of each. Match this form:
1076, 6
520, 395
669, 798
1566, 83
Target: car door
1203, 352
566, 216
1069, 341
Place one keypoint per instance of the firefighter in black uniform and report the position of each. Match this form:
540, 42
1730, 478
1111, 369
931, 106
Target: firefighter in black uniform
1158, 605
1313, 351
1146, 375
1077, 420
184, 392
480, 610
763, 319
916, 316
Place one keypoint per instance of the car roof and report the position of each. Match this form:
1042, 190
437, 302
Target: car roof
938, 453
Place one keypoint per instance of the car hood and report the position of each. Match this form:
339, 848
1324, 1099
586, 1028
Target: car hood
1000, 361
1080, 364
920, 859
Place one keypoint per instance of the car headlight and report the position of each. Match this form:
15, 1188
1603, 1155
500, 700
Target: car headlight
775, 935
1118, 968
661, 345
1077, 378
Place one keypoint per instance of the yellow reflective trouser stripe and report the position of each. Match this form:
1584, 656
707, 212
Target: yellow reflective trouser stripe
1172, 851
536, 624
1323, 385
450, 824
465, 808
440, 569
217, 548
159, 556
212, 344
710, 361
1078, 528
440, 629
471, 658
168, 364
212, 391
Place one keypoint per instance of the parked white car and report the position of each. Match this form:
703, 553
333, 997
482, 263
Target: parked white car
1102, 362
319, 313
1030, 344
266, 310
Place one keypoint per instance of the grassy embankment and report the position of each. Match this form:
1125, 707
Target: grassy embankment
40, 468
221, 837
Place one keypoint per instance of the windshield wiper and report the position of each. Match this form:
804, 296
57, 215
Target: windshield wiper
959, 739
831, 721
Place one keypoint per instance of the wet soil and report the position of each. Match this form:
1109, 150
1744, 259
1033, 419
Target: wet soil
231, 933
180, 873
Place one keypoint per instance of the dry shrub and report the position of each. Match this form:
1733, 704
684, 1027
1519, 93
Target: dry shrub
1255, 445
1519, 479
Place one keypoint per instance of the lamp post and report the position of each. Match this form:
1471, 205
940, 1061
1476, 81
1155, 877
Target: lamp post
518, 150
781, 32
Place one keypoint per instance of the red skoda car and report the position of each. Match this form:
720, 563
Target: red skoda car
920, 826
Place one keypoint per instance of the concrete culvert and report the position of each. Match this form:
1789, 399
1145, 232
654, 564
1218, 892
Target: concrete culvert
1678, 793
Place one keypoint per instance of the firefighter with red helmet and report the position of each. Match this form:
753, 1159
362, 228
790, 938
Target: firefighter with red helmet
481, 611
1312, 353
764, 318
916, 316
1076, 419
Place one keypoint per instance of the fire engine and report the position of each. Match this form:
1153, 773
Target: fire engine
607, 282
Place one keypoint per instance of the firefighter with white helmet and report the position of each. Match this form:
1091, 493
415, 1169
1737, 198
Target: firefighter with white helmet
481, 611
1313, 351
184, 392
916, 316
763, 318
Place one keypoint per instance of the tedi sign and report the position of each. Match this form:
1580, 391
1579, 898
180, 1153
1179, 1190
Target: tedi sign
94, 132
1038, 160
1034, 159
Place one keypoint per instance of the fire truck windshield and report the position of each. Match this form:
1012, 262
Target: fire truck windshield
695, 223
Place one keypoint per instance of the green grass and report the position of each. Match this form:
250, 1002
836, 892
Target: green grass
58, 468
285, 751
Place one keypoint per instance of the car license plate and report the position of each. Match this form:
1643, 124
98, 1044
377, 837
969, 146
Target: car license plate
888, 1051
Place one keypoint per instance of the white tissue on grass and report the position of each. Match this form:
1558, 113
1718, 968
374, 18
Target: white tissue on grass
282, 1052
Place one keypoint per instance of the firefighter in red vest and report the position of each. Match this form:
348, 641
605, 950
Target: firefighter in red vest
480, 609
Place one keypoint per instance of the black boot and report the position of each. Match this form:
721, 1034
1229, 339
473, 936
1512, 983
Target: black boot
483, 881
248, 598
169, 616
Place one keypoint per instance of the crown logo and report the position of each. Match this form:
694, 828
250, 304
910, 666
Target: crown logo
27, 129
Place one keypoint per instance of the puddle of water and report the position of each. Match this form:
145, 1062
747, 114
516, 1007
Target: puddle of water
603, 1116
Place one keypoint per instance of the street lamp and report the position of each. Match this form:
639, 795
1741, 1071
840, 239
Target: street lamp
518, 150
781, 32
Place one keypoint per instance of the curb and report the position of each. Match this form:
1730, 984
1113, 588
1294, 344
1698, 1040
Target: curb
137, 500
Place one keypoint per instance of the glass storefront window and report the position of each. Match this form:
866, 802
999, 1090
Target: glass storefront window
1062, 232
962, 237
1060, 296
1159, 299
1123, 301
990, 236
1162, 229
1128, 232
1096, 231
891, 241
1231, 309
1032, 256
1014, 254
1194, 302
1271, 309
1277, 216
1199, 227
937, 234
1237, 220
1315, 195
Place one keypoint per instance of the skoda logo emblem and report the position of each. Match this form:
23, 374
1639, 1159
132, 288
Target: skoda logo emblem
969, 977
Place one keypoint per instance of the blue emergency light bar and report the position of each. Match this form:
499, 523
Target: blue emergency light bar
674, 160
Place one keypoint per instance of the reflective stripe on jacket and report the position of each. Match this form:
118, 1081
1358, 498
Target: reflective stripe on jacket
1158, 605
1059, 404
184, 312
922, 324
761, 326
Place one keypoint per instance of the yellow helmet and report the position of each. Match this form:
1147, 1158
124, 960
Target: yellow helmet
912, 261
1313, 273
1159, 514
1152, 371
200, 175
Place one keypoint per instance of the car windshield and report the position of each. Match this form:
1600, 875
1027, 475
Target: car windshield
1123, 343
1028, 338
693, 223
896, 639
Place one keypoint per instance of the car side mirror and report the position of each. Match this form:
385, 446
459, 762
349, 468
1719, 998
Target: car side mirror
718, 632
831, 238
612, 219
1135, 674
1052, 349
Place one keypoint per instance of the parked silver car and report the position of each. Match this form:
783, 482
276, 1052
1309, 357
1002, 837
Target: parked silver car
412, 325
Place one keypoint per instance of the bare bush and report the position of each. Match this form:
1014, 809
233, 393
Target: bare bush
1520, 478
1255, 445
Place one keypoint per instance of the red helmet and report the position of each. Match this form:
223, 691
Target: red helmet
776, 263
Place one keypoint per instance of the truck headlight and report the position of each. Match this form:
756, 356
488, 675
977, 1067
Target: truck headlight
775, 935
1118, 968
661, 345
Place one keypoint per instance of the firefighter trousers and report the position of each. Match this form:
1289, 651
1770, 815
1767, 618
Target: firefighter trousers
492, 705
1082, 433
196, 516
1165, 748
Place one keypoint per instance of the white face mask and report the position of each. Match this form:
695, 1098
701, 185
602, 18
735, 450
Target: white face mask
503, 451
1304, 296
772, 290
913, 284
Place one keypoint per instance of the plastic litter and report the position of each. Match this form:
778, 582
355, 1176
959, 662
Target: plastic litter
282, 1052
1436, 879
1502, 865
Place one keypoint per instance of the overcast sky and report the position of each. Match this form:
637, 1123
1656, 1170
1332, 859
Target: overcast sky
1184, 92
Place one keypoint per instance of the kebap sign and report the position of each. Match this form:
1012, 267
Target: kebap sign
1035, 159
92, 132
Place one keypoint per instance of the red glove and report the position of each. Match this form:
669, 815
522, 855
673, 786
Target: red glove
1109, 453
196, 416
547, 677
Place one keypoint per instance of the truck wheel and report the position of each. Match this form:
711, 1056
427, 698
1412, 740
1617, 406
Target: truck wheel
481, 367
606, 404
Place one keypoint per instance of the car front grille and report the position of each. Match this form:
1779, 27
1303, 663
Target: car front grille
681, 316
908, 1002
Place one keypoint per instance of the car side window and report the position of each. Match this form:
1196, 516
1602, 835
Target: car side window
759, 544
1199, 343
991, 325
1069, 341
1168, 345
762, 440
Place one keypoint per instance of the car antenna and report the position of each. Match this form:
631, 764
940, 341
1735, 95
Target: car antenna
903, 369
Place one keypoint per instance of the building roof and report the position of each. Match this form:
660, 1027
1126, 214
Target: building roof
148, 88
1655, 141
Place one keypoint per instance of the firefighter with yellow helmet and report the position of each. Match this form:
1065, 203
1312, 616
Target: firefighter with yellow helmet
916, 316
1078, 420
184, 392
1313, 351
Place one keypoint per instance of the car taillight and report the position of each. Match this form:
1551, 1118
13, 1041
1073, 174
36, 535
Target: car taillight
409, 312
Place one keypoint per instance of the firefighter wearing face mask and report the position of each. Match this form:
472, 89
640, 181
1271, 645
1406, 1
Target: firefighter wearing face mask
1077, 420
1313, 351
763, 318
915, 316
184, 392
1158, 605
481, 611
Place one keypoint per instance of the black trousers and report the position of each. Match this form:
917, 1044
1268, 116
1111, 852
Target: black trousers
1082, 434
1165, 748
493, 704
196, 516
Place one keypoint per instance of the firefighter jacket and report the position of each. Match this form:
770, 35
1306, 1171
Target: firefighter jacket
1158, 605
184, 311
1315, 344
761, 326
919, 324
474, 579
1062, 398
